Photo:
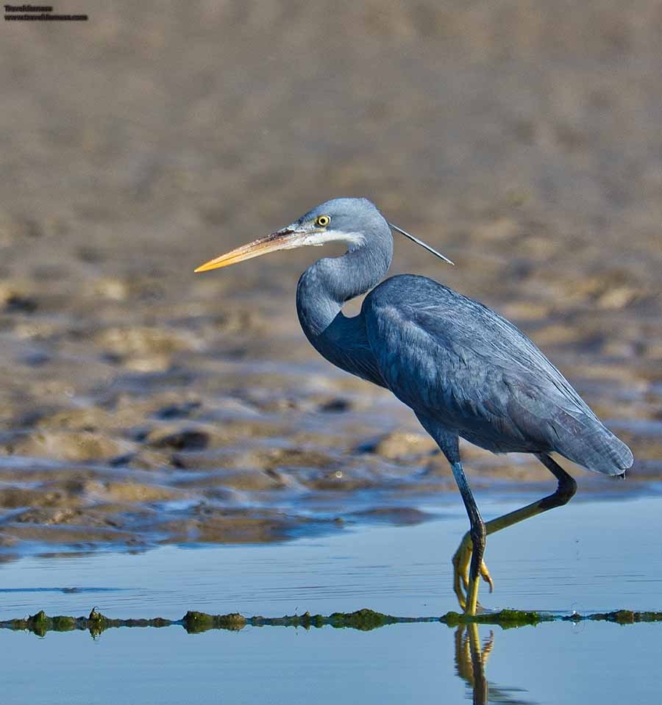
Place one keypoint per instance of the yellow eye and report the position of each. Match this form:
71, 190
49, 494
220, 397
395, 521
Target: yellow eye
322, 221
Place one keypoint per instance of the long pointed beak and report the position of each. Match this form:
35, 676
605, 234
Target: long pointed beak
285, 239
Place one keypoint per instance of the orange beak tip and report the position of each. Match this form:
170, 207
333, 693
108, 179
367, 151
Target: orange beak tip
276, 241
212, 264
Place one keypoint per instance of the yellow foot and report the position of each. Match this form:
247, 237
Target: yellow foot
466, 593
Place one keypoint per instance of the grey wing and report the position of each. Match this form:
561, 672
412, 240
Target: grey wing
456, 361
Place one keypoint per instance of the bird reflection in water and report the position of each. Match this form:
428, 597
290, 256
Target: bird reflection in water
471, 658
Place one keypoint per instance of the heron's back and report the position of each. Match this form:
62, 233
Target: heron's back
458, 362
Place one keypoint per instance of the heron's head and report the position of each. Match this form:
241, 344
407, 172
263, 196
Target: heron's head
356, 222
352, 221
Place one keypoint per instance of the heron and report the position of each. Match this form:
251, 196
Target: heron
464, 370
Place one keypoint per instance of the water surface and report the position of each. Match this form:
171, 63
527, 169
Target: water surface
553, 663
588, 556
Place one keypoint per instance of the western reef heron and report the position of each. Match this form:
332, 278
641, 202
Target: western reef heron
463, 369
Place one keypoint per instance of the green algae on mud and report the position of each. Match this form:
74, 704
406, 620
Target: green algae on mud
362, 620
504, 618
195, 622
40, 623
623, 617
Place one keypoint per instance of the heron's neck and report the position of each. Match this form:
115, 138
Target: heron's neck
326, 285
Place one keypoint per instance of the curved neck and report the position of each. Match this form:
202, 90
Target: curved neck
325, 286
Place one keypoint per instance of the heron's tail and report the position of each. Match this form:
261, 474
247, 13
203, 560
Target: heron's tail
597, 449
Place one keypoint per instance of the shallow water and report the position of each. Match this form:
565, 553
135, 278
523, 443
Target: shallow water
588, 556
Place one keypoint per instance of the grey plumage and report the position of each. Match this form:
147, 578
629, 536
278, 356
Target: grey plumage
456, 361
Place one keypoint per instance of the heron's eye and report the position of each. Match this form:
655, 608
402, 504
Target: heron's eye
322, 221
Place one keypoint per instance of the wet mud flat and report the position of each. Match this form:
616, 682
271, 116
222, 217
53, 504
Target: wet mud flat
141, 405
137, 422
218, 450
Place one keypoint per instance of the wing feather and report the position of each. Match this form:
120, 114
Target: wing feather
452, 359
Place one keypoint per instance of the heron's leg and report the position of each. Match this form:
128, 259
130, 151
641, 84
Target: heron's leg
449, 444
562, 495
477, 535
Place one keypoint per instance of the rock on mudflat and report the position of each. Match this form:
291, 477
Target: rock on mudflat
401, 445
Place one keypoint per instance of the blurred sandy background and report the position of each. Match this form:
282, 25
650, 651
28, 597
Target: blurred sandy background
523, 139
